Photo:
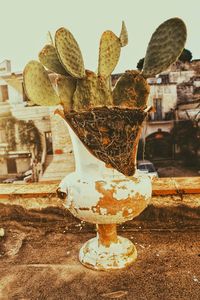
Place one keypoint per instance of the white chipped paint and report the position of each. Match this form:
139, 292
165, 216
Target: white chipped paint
82, 195
117, 255
128, 188
103, 211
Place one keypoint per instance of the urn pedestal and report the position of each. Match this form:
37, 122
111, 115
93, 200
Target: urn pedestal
105, 197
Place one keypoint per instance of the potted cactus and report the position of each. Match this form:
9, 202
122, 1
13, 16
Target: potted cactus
105, 125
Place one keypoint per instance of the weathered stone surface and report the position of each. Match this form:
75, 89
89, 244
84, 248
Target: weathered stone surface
175, 204
47, 267
39, 250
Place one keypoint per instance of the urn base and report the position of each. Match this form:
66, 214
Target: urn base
117, 255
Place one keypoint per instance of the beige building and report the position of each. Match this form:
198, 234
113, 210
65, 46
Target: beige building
28, 131
174, 95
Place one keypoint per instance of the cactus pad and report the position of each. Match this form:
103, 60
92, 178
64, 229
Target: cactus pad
38, 86
107, 122
165, 46
49, 39
69, 53
66, 87
49, 58
91, 91
109, 53
131, 91
123, 35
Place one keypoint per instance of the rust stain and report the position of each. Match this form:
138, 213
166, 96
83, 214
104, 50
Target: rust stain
128, 206
84, 208
107, 234
105, 141
109, 166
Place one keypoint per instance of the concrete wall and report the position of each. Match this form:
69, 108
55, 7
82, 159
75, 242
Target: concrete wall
14, 89
3, 167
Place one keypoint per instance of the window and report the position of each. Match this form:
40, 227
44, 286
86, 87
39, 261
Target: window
157, 103
3, 93
49, 144
11, 166
164, 78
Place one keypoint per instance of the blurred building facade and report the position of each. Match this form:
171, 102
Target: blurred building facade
28, 131
175, 97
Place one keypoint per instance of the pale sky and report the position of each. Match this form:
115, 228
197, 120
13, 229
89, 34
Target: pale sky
24, 25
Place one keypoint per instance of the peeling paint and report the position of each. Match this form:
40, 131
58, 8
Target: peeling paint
118, 255
103, 196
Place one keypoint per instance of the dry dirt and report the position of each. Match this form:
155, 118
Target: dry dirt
41, 264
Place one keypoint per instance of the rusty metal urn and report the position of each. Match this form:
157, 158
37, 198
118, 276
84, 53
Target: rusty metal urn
101, 195
105, 123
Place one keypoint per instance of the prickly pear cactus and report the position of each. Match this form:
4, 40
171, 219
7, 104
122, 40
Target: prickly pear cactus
69, 53
107, 121
66, 87
38, 86
49, 58
91, 92
131, 91
165, 46
109, 53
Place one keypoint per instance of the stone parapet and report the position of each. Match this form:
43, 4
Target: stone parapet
175, 205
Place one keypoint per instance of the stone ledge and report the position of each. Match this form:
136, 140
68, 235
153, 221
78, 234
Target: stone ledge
161, 186
175, 205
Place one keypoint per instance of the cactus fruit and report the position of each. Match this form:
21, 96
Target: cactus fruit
69, 53
165, 46
91, 92
38, 86
109, 52
66, 87
123, 35
49, 58
131, 91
